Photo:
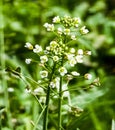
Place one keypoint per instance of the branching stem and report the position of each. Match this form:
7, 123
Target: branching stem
60, 104
45, 121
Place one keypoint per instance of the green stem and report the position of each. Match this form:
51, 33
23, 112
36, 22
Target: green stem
60, 100
45, 121
60, 104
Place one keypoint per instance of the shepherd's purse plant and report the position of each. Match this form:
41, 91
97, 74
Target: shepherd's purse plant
57, 62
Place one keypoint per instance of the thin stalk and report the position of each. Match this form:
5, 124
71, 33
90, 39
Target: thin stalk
45, 121
60, 104
38, 118
2, 64
60, 101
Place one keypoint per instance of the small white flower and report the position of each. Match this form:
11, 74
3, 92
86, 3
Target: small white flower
65, 93
74, 73
69, 56
69, 77
46, 52
88, 76
73, 37
67, 31
64, 87
10, 89
53, 45
96, 81
39, 81
72, 50
88, 52
79, 58
55, 58
28, 45
59, 30
83, 30
43, 74
48, 48
55, 83
62, 71
72, 62
27, 90
77, 21
28, 61
80, 52
49, 27
43, 59
77, 25
37, 49
56, 19
42, 99
52, 84
39, 90
46, 25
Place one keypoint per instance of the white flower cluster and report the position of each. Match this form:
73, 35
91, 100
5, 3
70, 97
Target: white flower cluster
29, 45
37, 49
58, 62
69, 26
28, 61
50, 27
74, 57
84, 30
58, 51
56, 19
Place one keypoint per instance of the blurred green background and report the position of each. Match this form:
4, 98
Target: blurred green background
22, 21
